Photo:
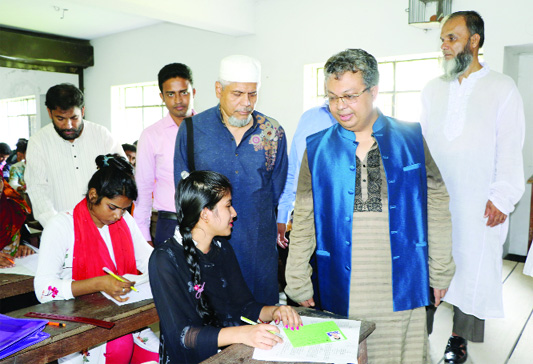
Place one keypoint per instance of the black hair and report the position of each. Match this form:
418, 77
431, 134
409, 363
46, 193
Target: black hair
353, 60
174, 70
474, 23
113, 178
5, 149
22, 145
64, 96
129, 148
201, 189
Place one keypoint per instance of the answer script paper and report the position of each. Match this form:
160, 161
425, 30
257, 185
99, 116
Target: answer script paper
343, 351
25, 266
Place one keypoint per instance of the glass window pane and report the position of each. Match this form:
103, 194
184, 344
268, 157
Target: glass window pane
413, 75
151, 95
384, 103
31, 106
151, 115
386, 76
320, 82
14, 108
133, 123
134, 96
408, 106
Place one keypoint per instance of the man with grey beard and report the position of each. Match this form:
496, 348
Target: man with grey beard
473, 121
250, 149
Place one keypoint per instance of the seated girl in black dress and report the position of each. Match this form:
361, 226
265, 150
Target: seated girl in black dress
197, 284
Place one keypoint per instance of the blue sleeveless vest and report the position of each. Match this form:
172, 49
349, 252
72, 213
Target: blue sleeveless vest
332, 162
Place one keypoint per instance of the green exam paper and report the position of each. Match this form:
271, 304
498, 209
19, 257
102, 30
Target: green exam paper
313, 334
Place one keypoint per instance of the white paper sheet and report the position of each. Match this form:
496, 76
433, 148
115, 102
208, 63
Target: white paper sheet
26, 266
145, 292
335, 352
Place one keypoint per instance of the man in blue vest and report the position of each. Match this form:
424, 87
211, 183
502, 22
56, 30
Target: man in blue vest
373, 207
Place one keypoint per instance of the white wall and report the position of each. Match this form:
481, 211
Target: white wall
519, 228
289, 34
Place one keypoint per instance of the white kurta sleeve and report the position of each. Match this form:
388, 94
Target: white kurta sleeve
53, 279
303, 241
508, 182
37, 183
143, 250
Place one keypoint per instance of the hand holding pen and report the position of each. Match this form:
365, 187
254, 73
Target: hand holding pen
6, 261
117, 286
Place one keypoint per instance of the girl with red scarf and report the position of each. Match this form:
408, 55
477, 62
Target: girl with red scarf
98, 233
13, 211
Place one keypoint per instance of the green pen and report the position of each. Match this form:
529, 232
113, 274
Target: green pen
248, 321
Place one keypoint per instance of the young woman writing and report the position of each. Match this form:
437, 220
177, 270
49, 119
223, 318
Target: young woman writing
98, 233
197, 284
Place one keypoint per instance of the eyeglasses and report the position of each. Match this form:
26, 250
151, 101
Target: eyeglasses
347, 99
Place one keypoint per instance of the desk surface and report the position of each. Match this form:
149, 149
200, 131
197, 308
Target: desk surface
14, 284
240, 353
76, 337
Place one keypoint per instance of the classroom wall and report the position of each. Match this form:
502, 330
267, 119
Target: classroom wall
288, 35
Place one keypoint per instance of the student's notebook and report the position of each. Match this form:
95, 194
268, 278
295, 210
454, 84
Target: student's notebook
17, 334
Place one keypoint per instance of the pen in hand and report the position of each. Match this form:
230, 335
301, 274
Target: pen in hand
108, 271
248, 321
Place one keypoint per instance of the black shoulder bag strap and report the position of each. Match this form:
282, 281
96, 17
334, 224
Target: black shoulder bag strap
190, 144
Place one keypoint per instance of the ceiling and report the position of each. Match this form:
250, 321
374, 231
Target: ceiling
97, 18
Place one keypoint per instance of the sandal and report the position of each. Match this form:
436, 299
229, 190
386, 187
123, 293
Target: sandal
455, 352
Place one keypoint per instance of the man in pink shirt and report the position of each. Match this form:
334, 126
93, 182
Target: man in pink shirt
155, 154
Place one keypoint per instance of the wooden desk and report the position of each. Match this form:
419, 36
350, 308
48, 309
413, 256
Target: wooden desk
14, 284
240, 353
76, 337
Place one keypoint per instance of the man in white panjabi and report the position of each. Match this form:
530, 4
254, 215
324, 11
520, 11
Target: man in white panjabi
473, 122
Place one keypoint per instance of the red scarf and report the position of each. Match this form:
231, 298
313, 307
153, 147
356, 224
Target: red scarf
90, 250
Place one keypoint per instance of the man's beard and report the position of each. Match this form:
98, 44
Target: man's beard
239, 123
75, 135
456, 66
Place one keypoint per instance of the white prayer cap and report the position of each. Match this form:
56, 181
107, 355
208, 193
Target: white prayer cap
238, 68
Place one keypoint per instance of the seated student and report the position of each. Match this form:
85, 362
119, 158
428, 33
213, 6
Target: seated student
5, 152
13, 211
198, 288
16, 172
76, 245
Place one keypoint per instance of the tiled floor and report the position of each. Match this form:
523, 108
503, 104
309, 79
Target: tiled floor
507, 341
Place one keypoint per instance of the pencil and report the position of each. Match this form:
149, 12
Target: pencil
59, 324
248, 321
108, 271
11, 260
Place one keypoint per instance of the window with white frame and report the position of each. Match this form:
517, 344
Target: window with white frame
401, 81
135, 107
17, 119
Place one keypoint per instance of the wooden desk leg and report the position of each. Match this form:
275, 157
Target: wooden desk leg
363, 356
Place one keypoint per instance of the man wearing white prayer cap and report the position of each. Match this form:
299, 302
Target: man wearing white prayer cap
250, 149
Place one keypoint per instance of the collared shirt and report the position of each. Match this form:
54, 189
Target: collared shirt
58, 171
257, 169
312, 121
154, 172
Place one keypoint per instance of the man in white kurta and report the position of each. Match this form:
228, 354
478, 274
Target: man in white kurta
61, 156
473, 122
